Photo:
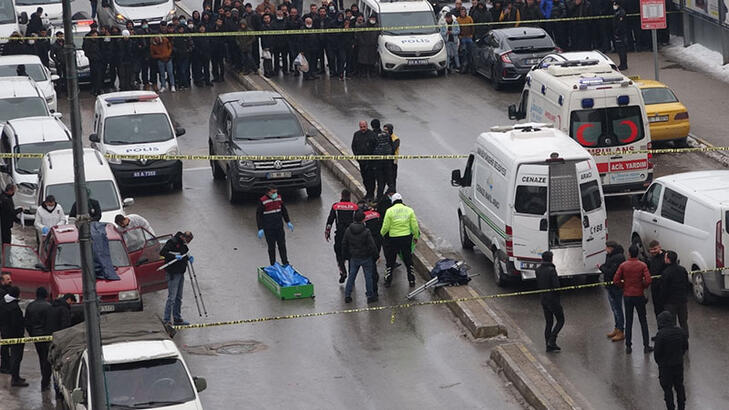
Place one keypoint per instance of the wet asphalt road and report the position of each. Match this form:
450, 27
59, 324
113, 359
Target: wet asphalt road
422, 360
443, 116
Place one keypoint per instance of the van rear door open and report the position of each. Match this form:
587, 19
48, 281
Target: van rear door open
529, 222
594, 229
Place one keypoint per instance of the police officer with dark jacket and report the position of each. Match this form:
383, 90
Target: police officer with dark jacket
656, 264
59, 316
36, 323
620, 31
92, 51
547, 279
674, 287
175, 250
359, 247
6, 283
13, 326
342, 213
270, 215
8, 213
373, 222
381, 168
671, 343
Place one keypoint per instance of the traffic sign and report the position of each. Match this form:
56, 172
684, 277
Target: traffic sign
652, 14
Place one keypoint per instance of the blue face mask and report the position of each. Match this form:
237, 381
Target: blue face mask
274, 195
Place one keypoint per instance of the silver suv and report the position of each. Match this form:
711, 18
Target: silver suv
260, 123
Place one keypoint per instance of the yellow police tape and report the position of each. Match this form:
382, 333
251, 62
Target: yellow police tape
337, 30
204, 157
394, 309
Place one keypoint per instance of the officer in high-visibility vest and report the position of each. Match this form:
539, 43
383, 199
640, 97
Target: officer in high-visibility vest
401, 225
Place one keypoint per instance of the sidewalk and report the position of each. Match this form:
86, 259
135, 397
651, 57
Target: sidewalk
704, 95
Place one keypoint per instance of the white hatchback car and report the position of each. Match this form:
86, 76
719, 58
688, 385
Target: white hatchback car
35, 70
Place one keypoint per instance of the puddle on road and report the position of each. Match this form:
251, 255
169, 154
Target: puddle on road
229, 348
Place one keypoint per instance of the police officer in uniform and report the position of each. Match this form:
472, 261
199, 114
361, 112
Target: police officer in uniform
342, 213
373, 222
270, 215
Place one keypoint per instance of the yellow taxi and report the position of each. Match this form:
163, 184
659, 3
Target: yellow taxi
668, 118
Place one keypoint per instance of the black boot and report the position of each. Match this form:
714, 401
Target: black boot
388, 277
411, 277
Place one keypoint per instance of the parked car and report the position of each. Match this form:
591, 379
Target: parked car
35, 70
668, 118
21, 97
506, 55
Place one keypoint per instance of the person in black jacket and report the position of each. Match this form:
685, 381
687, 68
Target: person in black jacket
201, 58
674, 287
43, 48
547, 279
363, 143
36, 323
175, 250
279, 45
6, 282
182, 46
125, 51
615, 255
620, 33
359, 247
93, 205
656, 264
342, 213
270, 215
345, 51
35, 23
56, 54
13, 326
309, 44
8, 213
373, 222
92, 51
671, 343
59, 317
381, 168
293, 22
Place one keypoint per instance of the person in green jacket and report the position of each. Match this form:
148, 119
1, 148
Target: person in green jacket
400, 227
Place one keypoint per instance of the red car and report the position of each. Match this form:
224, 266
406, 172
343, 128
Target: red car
57, 267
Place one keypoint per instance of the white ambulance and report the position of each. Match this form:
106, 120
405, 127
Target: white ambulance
602, 110
530, 188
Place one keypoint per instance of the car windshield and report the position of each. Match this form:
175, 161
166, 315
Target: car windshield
407, 19
148, 384
68, 255
7, 12
137, 129
11, 108
258, 128
31, 165
607, 127
139, 3
103, 191
34, 71
34, 2
658, 95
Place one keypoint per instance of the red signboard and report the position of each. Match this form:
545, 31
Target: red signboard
652, 14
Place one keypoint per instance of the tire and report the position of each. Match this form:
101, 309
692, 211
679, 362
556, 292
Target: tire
218, 173
495, 81
234, 196
681, 143
465, 241
177, 184
314, 191
499, 277
701, 294
440, 73
380, 69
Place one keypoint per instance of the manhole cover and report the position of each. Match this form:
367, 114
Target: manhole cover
233, 347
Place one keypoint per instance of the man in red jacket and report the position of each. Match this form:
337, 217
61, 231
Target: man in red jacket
633, 276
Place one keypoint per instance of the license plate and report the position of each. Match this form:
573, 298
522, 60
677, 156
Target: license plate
531, 60
529, 265
143, 174
275, 175
107, 308
658, 118
418, 61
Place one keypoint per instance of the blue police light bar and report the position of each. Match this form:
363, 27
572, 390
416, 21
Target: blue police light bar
588, 103
623, 100
131, 98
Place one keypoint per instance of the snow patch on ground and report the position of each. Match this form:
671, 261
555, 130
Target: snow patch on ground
697, 57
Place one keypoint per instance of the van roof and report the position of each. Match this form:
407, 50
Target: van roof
134, 351
529, 143
403, 5
58, 166
31, 130
130, 102
711, 186
18, 87
581, 74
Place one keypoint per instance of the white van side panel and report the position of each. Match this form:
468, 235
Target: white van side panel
541, 108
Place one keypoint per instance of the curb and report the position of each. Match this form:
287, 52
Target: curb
721, 157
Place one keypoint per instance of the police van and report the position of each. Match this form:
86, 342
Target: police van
530, 188
602, 110
137, 122
419, 47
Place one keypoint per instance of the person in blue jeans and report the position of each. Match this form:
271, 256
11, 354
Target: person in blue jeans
615, 255
175, 250
359, 247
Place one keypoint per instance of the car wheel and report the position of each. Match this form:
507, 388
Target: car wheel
380, 69
465, 241
499, 276
441, 72
177, 184
234, 195
218, 173
495, 80
681, 142
701, 294
314, 191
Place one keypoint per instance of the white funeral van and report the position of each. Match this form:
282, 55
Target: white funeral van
526, 189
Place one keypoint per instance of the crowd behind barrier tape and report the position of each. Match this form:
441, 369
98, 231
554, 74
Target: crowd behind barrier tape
339, 30
394, 308
205, 157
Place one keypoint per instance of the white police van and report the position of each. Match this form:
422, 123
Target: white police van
526, 189
418, 48
137, 122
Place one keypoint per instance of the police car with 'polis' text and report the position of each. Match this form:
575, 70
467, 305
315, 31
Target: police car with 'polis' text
137, 123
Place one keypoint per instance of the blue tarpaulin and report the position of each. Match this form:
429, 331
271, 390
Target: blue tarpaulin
285, 275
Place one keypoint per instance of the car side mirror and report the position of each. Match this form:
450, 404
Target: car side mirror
126, 202
57, 115
94, 137
514, 114
543, 226
55, 77
23, 18
456, 177
200, 383
78, 396
41, 267
179, 131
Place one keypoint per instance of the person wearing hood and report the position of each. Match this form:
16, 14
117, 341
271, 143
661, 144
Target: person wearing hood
450, 30
359, 247
615, 255
13, 326
401, 225
547, 279
48, 215
671, 344
674, 287
481, 15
